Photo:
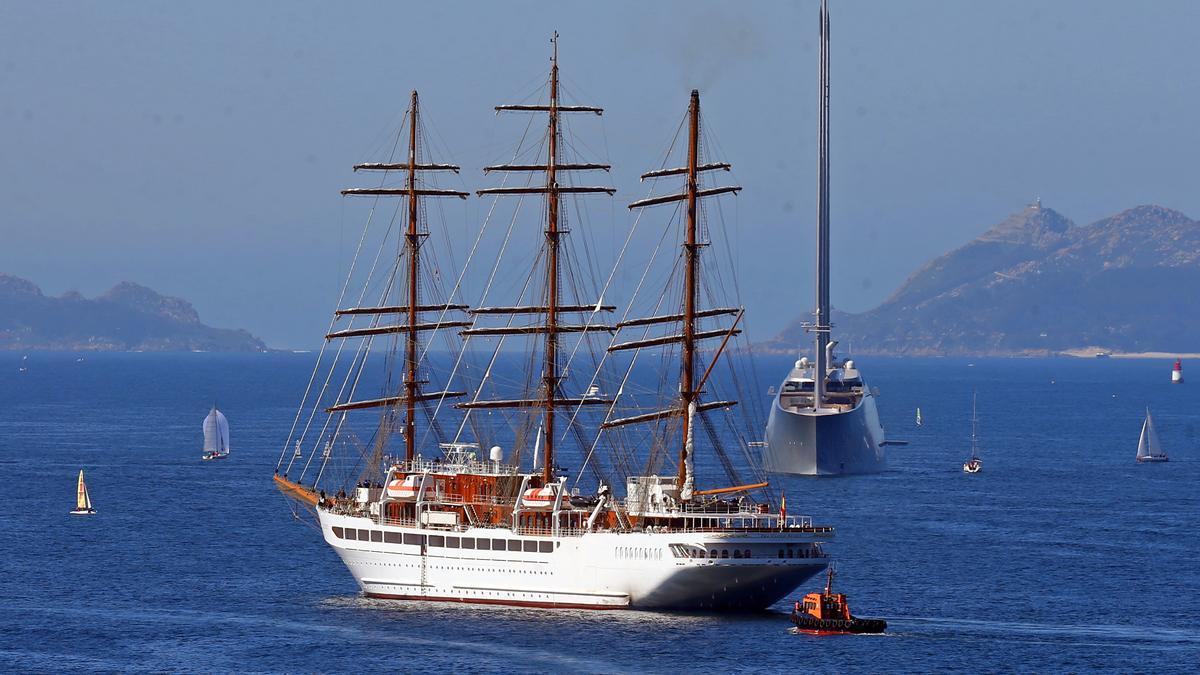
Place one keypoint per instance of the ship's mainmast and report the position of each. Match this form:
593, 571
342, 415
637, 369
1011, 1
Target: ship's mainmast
551, 327
822, 324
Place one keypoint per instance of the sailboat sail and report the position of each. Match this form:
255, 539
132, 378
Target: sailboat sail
920, 421
1148, 445
82, 501
216, 433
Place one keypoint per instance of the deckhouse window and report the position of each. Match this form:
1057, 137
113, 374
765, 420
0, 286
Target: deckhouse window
337, 532
392, 537
437, 540
545, 547
451, 542
468, 542
414, 539
376, 535
499, 545
531, 546
514, 544
364, 535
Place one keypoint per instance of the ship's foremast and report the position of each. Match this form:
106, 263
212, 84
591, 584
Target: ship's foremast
414, 235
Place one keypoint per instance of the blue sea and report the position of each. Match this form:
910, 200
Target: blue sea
1063, 555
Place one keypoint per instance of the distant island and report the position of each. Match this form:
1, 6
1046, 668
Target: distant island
130, 317
1036, 285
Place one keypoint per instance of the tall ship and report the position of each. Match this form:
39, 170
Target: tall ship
823, 420
639, 405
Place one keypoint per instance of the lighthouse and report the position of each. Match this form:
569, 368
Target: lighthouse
1177, 373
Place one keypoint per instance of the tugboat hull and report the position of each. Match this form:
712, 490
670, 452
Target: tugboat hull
810, 624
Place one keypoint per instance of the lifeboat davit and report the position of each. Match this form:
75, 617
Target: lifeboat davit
406, 488
538, 498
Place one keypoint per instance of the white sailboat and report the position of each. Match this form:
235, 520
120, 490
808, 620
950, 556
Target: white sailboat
216, 436
920, 421
1149, 449
975, 464
83, 503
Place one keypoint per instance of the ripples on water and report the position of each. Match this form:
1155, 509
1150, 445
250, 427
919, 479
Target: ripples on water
1063, 555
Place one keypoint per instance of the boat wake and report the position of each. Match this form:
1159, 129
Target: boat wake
1080, 634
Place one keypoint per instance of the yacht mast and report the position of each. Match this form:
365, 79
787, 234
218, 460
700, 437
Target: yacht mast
974, 420
822, 324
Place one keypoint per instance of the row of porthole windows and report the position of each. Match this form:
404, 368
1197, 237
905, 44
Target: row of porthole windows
638, 553
724, 553
442, 541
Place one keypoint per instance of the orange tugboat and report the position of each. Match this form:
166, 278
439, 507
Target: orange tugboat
828, 613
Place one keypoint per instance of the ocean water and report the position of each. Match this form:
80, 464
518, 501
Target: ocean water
1063, 555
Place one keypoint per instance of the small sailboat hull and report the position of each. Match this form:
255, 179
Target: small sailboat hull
84, 512
973, 466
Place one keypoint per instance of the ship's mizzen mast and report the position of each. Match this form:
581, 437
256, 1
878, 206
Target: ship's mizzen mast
689, 391
412, 326
687, 394
550, 327
822, 324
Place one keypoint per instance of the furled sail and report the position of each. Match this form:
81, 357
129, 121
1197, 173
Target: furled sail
216, 433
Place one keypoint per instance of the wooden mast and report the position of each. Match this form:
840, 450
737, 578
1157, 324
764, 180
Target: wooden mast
412, 325
688, 336
414, 245
551, 349
548, 399
692, 262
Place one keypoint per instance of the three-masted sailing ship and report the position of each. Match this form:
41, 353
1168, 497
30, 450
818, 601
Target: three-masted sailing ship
441, 521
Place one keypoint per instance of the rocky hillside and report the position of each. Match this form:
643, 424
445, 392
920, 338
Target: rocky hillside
128, 317
1037, 284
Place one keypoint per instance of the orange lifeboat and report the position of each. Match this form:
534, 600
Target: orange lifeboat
538, 498
406, 488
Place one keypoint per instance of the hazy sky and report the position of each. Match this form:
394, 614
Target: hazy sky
198, 148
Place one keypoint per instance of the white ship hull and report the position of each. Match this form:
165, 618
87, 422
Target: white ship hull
597, 570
